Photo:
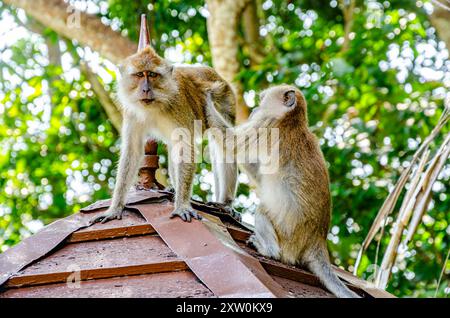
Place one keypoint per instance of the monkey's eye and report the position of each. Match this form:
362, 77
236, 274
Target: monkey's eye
139, 74
152, 74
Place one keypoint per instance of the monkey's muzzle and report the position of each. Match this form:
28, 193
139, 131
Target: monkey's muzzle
147, 101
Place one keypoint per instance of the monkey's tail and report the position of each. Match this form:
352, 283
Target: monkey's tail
318, 263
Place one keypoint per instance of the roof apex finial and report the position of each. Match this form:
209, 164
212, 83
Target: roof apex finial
144, 36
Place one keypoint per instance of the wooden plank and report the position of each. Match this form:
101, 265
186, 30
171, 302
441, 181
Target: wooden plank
299, 275
116, 232
301, 290
96, 273
132, 224
168, 285
296, 274
237, 234
100, 259
282, 270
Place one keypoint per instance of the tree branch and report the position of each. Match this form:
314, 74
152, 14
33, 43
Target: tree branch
86, 29
111, 109
225, 15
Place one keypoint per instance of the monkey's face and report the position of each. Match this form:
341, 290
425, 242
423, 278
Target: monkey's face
147, 79
280, 100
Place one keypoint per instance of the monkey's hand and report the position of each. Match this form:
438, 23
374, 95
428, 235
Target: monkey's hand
252, 241
170, 189
226, 207
185, 214
107, 216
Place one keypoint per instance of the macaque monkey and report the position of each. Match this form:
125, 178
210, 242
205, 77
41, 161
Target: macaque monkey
157, 98
293, 217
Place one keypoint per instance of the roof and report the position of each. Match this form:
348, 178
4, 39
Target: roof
147, 254
130, 258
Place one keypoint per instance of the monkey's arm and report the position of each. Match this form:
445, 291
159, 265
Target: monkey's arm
251, 170
132, 151
214, 115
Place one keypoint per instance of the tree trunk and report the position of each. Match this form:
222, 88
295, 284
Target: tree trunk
440, 20
223, 24
348, 7
87, 29
250, 26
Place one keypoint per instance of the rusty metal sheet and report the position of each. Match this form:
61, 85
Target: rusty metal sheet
38, 245
158, 196
226, 270
218, 229
132, 224
133, 197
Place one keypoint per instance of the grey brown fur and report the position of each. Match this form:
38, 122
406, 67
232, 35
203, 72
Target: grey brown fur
157, 98
292, 220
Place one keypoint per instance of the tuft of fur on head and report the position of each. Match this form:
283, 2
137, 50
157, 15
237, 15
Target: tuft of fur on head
164, 86
281, 106
279, 101
278, 104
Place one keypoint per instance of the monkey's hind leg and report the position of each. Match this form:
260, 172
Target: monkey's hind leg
225, 173
265, 238
317, 260
214, 167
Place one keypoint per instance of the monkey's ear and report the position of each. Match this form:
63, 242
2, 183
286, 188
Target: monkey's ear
289, 98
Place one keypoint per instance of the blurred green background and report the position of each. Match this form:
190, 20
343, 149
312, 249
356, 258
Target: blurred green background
375, 75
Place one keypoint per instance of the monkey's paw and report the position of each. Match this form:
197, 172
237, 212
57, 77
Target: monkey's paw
252, 241
263, 249
226, 207
185, 214
170, 189
107, 216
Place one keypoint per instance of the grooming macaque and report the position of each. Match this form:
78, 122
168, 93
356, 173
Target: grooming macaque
157, 98
293, 217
